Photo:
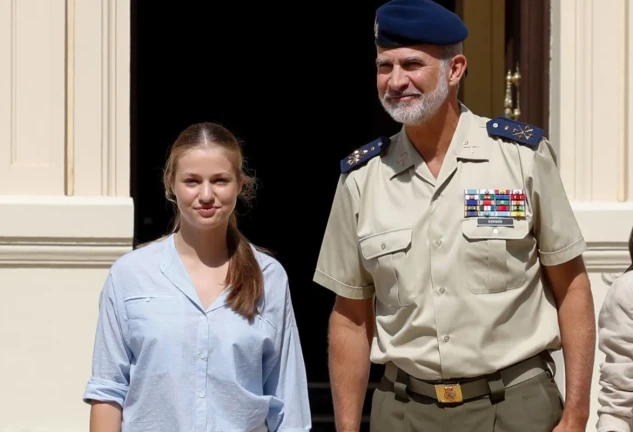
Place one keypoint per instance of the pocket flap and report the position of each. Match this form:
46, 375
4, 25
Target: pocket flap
472, 231
385, 243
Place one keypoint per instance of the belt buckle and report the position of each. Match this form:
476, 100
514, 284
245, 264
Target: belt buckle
449, 393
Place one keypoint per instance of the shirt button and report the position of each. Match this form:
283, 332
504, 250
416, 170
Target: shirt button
438, 243
383, 246
446, 338
201, 395
442, 290
495, 231
201, 355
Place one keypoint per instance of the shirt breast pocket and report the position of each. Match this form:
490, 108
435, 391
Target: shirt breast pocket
384, 256
496, 257
150, 306
154, 323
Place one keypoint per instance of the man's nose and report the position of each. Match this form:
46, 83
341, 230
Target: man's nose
398, 79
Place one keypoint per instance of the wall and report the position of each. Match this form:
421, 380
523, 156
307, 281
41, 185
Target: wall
592, 119
65, 210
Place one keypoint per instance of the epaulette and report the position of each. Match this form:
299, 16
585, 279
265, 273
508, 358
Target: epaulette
360, 156
514, 130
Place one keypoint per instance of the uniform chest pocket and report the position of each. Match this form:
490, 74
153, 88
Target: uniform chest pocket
385, 255
496, 257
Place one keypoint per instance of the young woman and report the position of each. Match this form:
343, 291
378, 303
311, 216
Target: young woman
196, 331
615, 331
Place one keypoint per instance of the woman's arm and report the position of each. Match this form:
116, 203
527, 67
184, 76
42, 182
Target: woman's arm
287, 380
108, 385
105, 417
615, 331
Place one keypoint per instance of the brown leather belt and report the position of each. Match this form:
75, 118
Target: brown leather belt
457, 391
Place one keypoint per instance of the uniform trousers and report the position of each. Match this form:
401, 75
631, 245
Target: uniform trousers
534, 405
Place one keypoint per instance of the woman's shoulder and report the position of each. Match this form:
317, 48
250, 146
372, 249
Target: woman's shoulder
624, 282
145, 256
276, 293
271, 267
620, 292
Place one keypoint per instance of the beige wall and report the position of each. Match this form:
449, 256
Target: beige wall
65, 211
591, 118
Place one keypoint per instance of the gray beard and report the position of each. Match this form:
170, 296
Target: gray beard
419, 110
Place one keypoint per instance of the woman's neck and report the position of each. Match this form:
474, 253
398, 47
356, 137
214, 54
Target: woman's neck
209, 247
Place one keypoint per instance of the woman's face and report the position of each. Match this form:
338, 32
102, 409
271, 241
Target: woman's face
206, 185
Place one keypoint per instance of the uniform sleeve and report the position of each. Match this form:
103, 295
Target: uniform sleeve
615, 333
555, 227
110, 377
339, 266
287, 381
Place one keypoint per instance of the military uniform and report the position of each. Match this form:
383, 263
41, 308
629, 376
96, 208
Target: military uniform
455, 265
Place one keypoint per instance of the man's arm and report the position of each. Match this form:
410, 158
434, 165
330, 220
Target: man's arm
350, 334
576, 317
351, 328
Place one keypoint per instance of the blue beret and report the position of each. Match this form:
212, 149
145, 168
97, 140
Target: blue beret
417, 22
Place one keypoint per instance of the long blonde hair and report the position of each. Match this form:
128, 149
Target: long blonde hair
244, 276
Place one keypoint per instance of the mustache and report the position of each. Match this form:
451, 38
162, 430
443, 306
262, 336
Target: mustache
396, 93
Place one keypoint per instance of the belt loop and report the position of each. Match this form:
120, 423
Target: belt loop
550, 364
400, 386
497, 388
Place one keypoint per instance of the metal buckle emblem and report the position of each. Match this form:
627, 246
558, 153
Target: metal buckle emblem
451, 393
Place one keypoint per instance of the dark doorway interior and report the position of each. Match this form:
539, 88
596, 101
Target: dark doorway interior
298, 88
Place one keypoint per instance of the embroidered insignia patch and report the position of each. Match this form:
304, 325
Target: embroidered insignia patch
514, 130
362, 155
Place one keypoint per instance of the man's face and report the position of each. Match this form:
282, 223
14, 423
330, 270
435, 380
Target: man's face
412, 82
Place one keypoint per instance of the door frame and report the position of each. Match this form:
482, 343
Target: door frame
504, 34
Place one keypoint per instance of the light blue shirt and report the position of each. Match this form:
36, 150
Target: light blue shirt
175, 367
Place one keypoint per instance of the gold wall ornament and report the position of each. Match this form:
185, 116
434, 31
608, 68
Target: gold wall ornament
511, 109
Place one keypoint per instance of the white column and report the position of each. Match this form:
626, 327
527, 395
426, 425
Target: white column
592, 121
65, 209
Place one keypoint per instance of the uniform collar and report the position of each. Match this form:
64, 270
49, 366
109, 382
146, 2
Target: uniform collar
468, 143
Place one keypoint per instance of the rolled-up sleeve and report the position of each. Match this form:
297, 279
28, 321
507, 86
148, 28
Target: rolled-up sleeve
287, 381
615, 333
110, 377
555, 227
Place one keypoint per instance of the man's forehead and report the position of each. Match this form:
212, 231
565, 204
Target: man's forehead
420, 51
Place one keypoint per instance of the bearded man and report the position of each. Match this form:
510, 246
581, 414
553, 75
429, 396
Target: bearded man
455, 256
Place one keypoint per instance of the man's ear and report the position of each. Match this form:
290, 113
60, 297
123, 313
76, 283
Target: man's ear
457, 69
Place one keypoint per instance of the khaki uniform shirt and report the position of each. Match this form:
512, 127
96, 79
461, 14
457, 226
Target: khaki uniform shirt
453, 298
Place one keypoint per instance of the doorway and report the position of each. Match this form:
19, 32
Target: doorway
299, 92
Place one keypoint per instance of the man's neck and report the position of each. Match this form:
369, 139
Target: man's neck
433, 138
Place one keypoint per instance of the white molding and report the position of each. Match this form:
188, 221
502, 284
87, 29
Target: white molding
64, 231
99, 102
606, 227
61, 254
32, 96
